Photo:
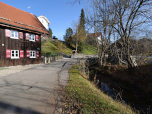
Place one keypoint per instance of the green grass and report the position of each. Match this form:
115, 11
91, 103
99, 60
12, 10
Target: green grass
59, 47
89, 49
55, 47
92, 99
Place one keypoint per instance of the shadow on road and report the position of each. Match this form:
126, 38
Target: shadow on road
17, 109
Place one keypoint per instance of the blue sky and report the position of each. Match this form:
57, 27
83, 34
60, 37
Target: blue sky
58, 12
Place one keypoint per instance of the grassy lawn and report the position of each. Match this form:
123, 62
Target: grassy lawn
55, 47
89, 49
91, 99
59, 47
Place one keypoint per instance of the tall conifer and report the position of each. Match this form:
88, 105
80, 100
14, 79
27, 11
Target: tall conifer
81, 32
50, 32
82, 19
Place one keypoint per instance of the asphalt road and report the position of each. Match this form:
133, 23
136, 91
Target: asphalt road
33, 91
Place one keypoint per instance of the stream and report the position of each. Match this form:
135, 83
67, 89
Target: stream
126, 97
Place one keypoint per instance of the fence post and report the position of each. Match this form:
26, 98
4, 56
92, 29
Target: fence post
49, 60
44, 60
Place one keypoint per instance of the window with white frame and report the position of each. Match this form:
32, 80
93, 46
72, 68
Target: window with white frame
14, 54
32, 54
14, 34
32, 37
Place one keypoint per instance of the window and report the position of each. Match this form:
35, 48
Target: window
14, 34
32, 37
32, 54
14, 54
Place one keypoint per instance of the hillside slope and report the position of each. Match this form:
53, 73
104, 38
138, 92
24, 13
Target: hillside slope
55, 47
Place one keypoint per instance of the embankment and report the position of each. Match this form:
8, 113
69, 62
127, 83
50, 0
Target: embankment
84, 97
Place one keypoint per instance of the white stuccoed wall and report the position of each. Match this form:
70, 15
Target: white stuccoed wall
99, 39
44, 22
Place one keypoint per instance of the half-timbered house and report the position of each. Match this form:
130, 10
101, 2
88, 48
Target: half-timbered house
20, 37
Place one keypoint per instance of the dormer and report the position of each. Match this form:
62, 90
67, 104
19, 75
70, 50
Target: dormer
44, 21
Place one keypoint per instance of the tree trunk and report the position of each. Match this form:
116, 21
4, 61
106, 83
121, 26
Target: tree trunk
104, 60
101, 61
129, 61
121, 57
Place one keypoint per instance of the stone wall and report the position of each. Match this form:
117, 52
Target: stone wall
83, 56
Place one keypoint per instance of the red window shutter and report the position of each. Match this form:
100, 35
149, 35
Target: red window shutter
7, 33
27, 53
27, 36
37, 37
37, 53
21, 35
8, 53
21, 53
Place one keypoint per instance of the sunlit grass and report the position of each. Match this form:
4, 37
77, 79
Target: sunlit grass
92, 99
89, 49
55, 47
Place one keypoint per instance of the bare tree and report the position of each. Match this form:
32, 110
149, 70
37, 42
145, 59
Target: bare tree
121, 17
99, 19
79, 33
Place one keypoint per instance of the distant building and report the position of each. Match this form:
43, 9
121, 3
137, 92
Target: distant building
20, 37
93, 37
44, 21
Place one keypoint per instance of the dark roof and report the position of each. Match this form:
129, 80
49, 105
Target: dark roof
16, 17
94, 34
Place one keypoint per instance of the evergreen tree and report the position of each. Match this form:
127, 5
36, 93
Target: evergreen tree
82, 19
81, 32
50, 31
68, 37
69, 32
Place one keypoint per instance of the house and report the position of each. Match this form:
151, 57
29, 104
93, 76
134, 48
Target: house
92, 38
20, 37
44, 21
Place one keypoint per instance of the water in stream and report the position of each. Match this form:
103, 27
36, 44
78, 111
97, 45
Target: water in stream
127, 98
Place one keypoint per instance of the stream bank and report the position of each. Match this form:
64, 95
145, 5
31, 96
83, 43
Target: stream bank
125, 95
83, 97
134, 88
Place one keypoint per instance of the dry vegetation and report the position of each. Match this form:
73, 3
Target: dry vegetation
137, 79
84, 97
